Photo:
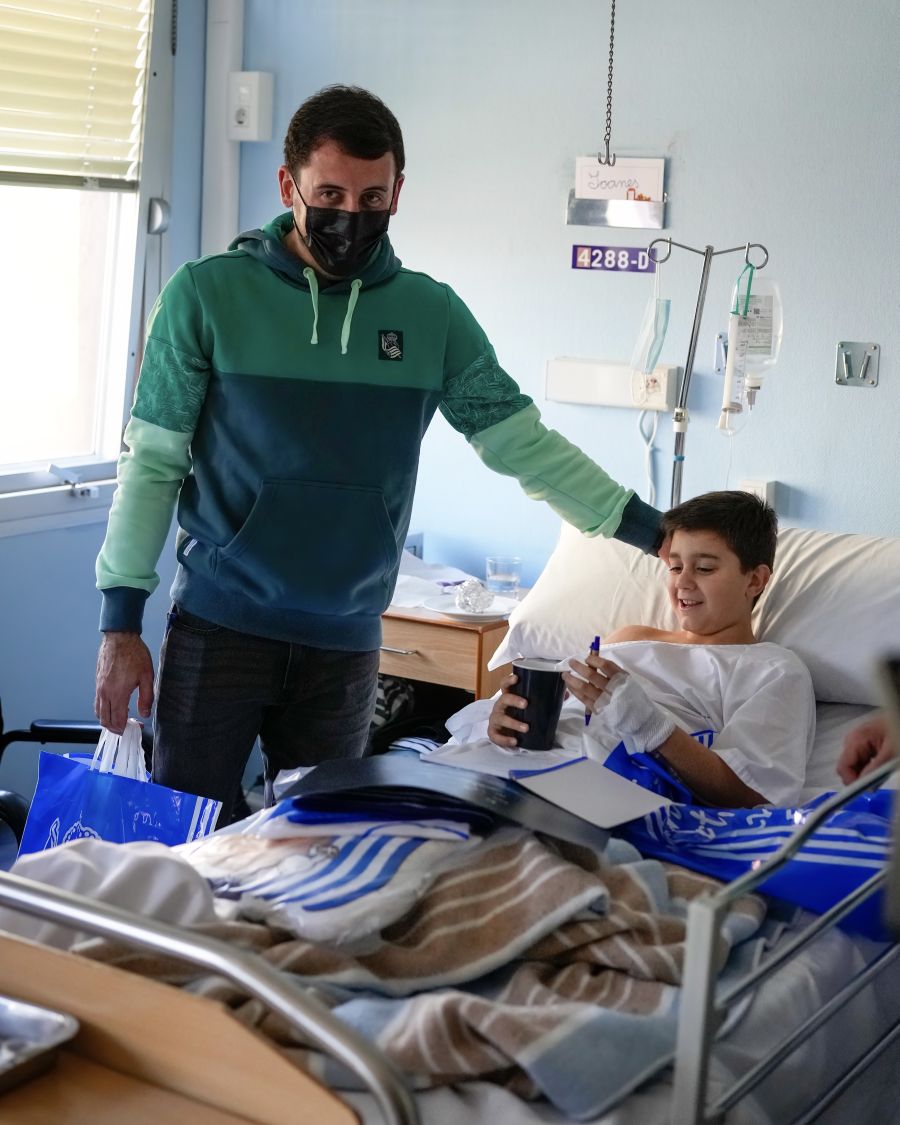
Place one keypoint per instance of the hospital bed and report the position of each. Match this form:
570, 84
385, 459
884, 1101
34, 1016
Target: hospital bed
829, 1013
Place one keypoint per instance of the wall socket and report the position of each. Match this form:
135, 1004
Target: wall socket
249, 105
764, 489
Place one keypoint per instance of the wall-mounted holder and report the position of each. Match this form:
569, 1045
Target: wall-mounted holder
721, 353
616, 212
856, 364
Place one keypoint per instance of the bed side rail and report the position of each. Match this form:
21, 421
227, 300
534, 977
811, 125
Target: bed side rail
273, 988
702, 1012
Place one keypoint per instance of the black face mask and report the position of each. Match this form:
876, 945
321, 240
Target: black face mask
341, 240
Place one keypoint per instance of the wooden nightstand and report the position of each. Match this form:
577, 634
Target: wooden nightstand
419, 644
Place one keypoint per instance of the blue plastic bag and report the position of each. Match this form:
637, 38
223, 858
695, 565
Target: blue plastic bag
72, 802
851, 846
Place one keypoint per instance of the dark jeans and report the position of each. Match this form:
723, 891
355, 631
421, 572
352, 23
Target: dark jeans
217, 690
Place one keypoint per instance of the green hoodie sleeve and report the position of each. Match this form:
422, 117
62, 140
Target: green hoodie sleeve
548, 467
504, 428
170, 394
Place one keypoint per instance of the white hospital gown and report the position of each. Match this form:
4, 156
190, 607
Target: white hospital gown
755, 704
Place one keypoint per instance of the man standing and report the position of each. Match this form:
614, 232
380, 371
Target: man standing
285, 390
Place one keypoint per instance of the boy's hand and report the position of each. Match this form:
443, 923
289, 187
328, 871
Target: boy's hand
502, 729
625, 706
589, 680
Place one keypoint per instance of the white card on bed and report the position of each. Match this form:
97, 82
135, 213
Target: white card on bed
588, 789
482, 756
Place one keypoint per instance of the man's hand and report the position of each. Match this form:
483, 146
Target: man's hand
865, 747
501, 728
123, 664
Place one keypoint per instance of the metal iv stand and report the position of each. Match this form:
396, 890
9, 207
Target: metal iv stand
680, 416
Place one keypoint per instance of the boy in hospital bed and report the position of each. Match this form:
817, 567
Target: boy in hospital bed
733, 718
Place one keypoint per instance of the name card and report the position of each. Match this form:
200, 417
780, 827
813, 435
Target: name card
639, 179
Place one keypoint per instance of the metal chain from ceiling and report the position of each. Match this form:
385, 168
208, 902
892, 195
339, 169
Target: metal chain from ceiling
607, 159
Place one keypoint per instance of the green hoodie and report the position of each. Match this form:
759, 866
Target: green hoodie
285, 421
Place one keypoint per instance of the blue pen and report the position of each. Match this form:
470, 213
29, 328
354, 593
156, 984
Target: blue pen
595, 647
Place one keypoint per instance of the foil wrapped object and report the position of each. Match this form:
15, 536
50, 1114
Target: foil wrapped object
472, 597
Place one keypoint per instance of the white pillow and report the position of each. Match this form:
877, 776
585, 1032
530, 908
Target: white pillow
589, 587
834, 600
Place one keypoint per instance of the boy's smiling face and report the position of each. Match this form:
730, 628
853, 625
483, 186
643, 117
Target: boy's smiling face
710, 594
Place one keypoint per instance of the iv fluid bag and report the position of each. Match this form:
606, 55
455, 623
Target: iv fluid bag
757, 342
766, 324
764, 312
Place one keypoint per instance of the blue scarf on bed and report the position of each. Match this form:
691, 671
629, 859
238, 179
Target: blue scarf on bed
851, 846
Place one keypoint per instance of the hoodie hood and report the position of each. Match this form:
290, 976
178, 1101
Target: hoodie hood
267, 246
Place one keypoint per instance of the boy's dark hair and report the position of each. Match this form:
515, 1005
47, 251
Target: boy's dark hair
357, 121
747, 524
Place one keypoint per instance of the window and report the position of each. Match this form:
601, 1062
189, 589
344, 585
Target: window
67, 305
85, 106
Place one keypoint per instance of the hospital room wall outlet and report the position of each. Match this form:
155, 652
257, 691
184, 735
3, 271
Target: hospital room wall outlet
594, 382
764, 489
249, 105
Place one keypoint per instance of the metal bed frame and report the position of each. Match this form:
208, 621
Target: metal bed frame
701, 1012
277, 990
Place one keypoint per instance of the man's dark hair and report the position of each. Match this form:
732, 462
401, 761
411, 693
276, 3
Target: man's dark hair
357, 121
747, 524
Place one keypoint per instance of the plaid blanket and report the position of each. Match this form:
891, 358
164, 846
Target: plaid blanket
534, 963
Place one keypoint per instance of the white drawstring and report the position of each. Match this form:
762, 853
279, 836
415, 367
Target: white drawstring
355, 287
312, 281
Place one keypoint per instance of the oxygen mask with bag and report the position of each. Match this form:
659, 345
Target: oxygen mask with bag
755, 327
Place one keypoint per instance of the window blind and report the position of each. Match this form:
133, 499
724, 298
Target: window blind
72, 91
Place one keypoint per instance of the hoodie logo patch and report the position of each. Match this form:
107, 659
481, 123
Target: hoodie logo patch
390, 344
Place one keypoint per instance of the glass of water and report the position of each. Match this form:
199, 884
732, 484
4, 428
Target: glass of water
502, 574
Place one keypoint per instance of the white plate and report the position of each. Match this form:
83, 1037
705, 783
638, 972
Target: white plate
446, 604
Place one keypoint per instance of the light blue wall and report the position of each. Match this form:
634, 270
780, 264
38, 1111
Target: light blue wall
49, 607
779, 123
